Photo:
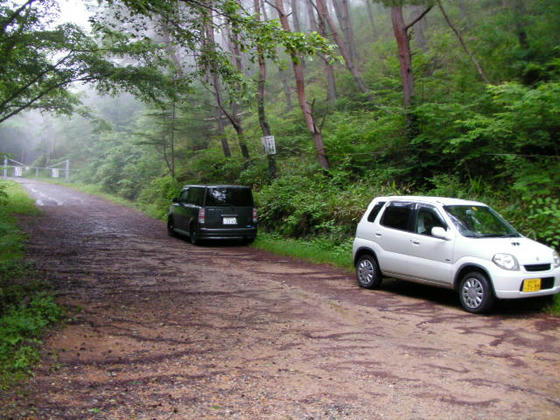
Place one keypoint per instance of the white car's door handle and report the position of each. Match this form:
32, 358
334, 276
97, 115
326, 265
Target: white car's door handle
415, 242
378, 234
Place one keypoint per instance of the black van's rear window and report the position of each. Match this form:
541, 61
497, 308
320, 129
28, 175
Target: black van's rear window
229, 197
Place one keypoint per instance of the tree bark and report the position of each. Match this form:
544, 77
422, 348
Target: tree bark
295, 15
281, 71
329, 70
263, 122
325, 16
405, 57
300, 84
235, 114
348, 30
311, 15
209, 40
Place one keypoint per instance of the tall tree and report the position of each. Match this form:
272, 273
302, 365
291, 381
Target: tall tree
215, 64
329, 69
263, 122
326, 17
210, 48
371, 17
238, 89
281, 70
400, 30
475, 62
312, 126
39, 63
342, 11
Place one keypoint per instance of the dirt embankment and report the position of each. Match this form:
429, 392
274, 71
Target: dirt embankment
171, 331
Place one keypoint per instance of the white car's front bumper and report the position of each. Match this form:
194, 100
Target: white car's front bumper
509, 284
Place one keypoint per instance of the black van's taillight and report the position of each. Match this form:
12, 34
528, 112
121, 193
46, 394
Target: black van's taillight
201, 216
254, 215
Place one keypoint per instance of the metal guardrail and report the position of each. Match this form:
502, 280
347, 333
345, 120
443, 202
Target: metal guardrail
19, 168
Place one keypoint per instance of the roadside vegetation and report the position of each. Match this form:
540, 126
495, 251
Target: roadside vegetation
26, 307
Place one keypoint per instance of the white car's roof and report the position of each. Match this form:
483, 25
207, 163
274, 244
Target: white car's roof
443, 201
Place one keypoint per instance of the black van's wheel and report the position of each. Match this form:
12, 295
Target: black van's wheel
475, 293
170, 227
367, 272
193, 235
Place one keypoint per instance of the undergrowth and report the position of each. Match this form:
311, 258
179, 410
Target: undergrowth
25, 306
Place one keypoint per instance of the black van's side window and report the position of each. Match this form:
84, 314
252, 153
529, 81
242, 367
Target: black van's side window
198, 196
375, 211
183, 196
397, 216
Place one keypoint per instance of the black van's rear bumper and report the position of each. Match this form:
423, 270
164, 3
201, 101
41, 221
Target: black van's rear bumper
230, 233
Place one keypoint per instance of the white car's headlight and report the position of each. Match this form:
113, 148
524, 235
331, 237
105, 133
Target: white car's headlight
555, 259
506, 261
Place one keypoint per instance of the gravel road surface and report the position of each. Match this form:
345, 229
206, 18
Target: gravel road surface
167, 330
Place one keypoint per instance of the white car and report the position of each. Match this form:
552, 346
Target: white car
452, 243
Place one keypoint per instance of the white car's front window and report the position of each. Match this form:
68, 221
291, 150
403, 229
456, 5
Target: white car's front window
480, 222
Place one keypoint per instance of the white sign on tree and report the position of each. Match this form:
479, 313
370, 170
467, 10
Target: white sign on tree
269, 145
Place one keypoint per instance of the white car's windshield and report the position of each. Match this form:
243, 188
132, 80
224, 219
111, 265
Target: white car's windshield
480, 222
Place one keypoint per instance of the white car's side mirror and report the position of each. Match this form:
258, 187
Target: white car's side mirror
440, 233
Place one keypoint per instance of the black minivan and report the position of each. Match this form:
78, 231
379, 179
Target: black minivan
213, 212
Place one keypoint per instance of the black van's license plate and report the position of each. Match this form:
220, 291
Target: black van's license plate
230, 220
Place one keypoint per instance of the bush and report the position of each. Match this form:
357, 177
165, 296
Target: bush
330, 206
24, 307
155, 198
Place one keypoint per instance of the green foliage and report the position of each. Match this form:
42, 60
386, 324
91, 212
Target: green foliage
319, 250
39, 61
156, 197
3, 195
25, 309
544, 214
301, 206
20, 331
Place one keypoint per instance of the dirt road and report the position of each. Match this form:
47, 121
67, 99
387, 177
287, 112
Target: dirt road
172, 331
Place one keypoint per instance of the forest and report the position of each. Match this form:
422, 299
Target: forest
364, 98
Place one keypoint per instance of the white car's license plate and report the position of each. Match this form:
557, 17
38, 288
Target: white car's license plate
230, 220
532, 285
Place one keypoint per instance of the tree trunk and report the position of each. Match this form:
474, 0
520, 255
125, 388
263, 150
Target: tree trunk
311, 15
405, 57
329, 71
463, 44
519, 14
263, 122
222, 133
178, 74
348, 30
371, 20
325, 16
235, 114
209, 41
300, 85
281, 71
295, 15
420, 29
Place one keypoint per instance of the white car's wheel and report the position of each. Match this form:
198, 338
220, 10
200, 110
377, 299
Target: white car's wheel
367, 272
475, 293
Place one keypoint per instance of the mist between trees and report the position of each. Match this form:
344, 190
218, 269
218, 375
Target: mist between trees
455, 98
